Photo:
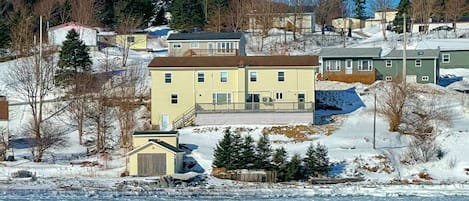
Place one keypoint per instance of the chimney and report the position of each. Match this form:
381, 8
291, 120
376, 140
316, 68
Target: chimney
3, 108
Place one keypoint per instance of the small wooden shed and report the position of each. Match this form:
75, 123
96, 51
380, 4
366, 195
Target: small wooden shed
155, 153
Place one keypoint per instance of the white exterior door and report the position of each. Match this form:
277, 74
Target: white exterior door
348, 66
165, 122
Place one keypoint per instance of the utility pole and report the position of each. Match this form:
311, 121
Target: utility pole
374, 125
404, 59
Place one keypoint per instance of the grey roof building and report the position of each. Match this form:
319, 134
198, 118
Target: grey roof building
350, 52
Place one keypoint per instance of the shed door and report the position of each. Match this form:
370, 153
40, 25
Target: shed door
151, 164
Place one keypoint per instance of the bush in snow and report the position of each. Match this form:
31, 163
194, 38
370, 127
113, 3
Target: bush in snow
316, 160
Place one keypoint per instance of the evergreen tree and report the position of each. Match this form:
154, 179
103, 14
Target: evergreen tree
279, 159
187, 14
248, 152
360, 9
74, 58
104, 13
321, 165
264, 153
403, 7
4, 34
236, 153
310, 160
222, 152
294, 168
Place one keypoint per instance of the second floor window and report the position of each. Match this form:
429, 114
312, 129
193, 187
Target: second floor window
177, 45
281, 76
223, 77
253, 76
388, 63
174, 99
195, 45
167, 78
226, 47
418, 63
446, 58
200, 77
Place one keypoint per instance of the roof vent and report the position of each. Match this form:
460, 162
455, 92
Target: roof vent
420, 53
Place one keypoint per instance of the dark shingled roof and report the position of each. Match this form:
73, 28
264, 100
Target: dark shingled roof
234, 61
350, 52
155, 132
205, 36
167, 146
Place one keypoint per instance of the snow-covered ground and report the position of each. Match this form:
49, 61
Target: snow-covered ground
349, 139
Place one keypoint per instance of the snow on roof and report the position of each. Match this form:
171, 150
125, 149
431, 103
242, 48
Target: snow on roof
444, 44
422, 54
350, 52
73, 24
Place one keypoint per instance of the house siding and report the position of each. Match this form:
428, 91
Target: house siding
58, 36
458, 59
152, 149
185, 46
427, 69
366, 77
140, 41
298, 79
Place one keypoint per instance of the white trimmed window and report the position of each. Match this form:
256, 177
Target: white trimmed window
194, 44
446, 58
200, 77
335, 67
174, 99
365, 65
226, 47
425, 78
177, 45
328, 64
253, 76
167, 78
418, 63
223, 77
281, 76
388, 63
388, 78
221, 98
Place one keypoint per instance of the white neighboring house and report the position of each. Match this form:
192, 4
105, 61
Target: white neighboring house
58, 33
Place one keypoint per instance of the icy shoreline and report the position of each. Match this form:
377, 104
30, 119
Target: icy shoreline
113, 187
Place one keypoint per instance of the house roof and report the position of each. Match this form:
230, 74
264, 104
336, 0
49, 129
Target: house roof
155, 133
156, 143
387, 10
234, 61
73, 24
206, 36
413, 54
444, 44
350, 52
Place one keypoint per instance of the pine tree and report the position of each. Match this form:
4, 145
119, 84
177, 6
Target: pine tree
74, 58
187, 14
236, 153
360, 9
248, 152
104, 12
403, 7
310, 160
279, 159
264, 153
4, 34
222, 152
294, 168
321, 165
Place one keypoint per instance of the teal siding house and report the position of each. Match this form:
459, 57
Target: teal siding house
454, 53
422, 66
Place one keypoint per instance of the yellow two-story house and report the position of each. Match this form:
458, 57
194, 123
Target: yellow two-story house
206, 44
232, 90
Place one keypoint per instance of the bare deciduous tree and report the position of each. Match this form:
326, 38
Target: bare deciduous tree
326, 10
45, 8
383, 6
4, 137
32, 79
422, 10
22, 34
237, 15
455, 9
126, 24
83, 12
392, 106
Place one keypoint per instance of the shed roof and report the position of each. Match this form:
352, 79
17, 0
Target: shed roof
152, 132
72, 24
414, 54
234, 61
206, 36
350, 52
156, 143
